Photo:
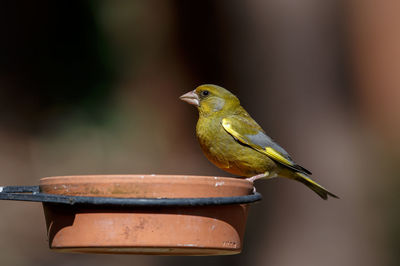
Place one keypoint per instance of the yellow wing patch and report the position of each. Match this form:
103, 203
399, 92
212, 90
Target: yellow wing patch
228, 127
270, 152
277, 156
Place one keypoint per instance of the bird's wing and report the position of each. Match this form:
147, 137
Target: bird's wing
246, 131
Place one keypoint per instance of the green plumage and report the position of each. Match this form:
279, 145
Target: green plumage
234, 142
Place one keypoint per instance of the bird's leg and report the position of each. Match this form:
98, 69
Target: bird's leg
254, 178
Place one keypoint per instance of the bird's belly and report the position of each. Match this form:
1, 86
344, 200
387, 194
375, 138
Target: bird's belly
227, 154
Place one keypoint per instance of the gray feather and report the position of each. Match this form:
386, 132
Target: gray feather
263, 140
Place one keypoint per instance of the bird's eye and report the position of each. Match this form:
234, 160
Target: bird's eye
205, 93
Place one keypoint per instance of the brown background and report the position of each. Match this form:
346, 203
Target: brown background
92, 87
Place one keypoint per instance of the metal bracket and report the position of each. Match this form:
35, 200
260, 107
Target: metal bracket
32, 193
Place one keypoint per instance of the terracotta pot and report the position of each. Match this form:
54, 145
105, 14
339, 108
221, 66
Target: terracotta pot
190, 230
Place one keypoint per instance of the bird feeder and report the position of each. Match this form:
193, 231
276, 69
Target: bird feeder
142, 214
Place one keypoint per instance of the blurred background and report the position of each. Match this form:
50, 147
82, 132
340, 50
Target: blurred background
92, 87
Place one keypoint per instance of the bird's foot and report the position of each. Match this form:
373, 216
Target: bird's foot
254, 178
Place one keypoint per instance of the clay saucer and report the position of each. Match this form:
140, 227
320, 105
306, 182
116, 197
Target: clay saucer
162, 230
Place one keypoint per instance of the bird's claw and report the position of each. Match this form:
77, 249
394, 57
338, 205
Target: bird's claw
254, 178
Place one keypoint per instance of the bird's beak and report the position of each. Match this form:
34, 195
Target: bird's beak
191, 97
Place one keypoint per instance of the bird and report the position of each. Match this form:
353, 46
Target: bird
233, 141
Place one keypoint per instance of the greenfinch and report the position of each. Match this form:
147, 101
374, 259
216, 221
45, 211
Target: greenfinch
234, 142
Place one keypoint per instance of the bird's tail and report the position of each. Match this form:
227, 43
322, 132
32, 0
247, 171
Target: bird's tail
321, 191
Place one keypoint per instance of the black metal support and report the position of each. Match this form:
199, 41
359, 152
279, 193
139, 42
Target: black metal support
32, 193
20, 189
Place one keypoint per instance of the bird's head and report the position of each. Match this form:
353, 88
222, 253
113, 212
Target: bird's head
210, 99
